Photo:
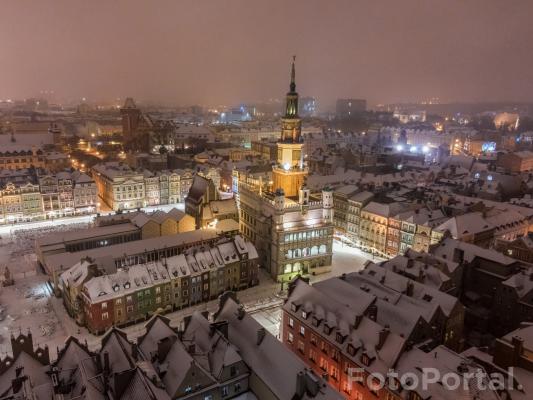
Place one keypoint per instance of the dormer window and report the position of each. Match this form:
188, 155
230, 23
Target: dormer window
327, 329
304, 314
366, 359
351, 350
339, 337
294, 307
414, 396
316, 321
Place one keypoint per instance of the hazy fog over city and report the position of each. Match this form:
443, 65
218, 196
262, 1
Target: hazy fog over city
185, 52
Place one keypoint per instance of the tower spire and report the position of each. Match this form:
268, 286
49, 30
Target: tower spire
293, 75
291, 110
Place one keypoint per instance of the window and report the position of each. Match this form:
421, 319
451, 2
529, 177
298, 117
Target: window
105, 316
313, 340
334, 372
365, 359
290, 337
323, 347
225, 391
304, 315
323, 364
301, 346
119, 301
104, 306
347, 387
291, 322
302, 330
312, 355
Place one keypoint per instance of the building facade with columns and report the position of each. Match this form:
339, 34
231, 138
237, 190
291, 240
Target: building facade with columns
291, 228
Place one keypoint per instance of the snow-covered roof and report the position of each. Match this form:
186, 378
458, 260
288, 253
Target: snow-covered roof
270, 361
466, 224
447, 247
325, 301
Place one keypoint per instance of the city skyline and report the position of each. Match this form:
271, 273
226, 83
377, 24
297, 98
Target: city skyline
232, 52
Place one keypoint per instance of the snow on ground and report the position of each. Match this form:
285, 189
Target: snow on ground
346, 259
27, 306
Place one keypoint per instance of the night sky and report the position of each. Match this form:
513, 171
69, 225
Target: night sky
213, 52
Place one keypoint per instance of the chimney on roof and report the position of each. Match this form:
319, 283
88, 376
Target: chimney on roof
240, 312
135, 351
106, 363
373, 312
300, 385
383, 334
357, 322
410, 289
261, 333
518, 348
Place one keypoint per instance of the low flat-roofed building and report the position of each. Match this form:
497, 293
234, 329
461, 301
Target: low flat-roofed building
86, 239
137, 251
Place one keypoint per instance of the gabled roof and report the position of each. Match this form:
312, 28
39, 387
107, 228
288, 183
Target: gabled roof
276, 367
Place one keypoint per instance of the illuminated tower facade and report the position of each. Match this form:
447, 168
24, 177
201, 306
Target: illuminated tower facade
291, 228
290, 173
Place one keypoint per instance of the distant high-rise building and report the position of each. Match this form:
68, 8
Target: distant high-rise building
307, 107
348, 108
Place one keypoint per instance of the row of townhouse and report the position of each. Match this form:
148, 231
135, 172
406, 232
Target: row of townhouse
26, 197
351, 337
389, 229
122, 188
100, 297
14, 157
386, 226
